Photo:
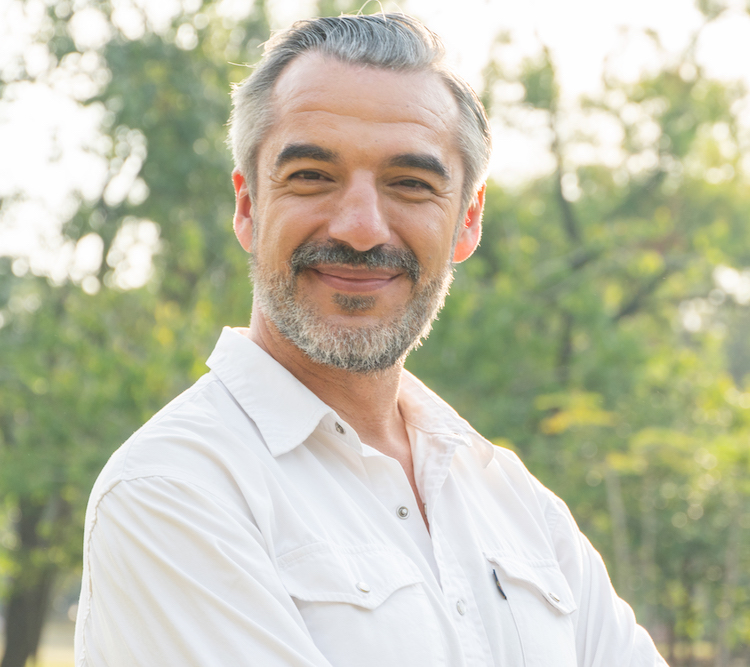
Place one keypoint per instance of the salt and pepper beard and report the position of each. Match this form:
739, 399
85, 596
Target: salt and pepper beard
354, 348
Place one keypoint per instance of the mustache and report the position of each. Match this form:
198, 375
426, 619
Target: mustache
309, 255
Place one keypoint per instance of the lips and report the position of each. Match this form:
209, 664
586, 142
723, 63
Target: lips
340, 261
348, 279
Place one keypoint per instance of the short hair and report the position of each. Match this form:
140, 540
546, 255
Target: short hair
389, 41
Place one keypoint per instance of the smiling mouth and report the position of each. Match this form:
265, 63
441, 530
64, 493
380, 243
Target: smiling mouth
371, 269
345, 279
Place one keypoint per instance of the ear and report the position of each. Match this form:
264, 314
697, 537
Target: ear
471, 229
243, 221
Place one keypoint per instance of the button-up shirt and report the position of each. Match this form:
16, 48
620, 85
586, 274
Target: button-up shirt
247, 524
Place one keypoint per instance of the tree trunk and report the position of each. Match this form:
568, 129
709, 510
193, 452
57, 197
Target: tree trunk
649, 535
731, 580
672, 642
29, 588
25, 614
620, 541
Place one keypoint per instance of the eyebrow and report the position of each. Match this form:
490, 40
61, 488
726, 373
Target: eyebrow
423, 161
302, 151
420, 161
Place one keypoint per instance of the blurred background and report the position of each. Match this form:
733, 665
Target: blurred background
602, 330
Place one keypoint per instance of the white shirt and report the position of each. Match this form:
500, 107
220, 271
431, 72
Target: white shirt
246, 524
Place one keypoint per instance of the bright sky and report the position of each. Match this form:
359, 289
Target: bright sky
50, 147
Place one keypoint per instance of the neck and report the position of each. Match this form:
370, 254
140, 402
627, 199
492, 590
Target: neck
368, 402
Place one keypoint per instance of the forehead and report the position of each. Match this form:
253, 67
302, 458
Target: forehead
321, 95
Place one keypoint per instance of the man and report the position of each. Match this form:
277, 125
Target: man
308, 502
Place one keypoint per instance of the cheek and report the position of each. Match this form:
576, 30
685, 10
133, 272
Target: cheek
296, 220
274, 242
428, 228
433, 247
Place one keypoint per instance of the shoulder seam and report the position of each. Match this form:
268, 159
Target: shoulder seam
177, 402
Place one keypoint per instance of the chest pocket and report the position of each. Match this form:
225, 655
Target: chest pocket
542, 606
363, 605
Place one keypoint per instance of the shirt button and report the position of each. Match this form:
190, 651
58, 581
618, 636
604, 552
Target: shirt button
340, 428
461, 607
554, 597
363, 586
403, 512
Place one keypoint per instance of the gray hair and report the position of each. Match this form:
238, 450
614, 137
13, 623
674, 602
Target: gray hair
389, 41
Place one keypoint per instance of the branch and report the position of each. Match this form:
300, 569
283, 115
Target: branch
566, 350
638, 299
569, 219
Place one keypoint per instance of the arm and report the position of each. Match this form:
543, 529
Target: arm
174, 576
606, 629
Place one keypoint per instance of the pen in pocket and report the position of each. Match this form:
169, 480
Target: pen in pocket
499, 587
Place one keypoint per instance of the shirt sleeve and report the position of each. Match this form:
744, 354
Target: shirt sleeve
606, 629
173, 576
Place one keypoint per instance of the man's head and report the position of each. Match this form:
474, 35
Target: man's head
356, 188
389, 41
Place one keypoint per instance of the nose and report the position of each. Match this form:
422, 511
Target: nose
358, 220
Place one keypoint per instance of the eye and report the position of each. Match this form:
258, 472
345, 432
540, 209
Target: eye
413, 189
306, 175
414, 184
309, 182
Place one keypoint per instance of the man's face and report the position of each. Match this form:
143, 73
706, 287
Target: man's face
354, 223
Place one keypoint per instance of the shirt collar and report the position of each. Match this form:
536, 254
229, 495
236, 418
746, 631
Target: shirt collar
286, 412
426, 411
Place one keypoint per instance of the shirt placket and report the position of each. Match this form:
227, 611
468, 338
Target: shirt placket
459, 598
391, 486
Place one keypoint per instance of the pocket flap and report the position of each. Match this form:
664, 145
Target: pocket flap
543, 576
361, 575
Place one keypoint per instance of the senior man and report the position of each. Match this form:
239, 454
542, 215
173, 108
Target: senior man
308, 501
